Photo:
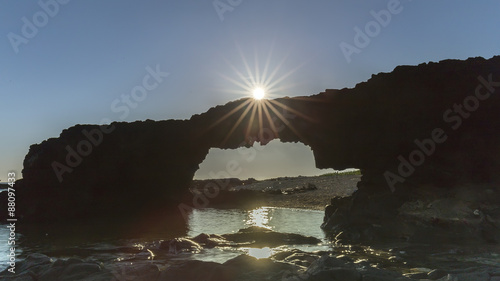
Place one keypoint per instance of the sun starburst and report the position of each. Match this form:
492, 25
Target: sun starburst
259, 86
259, 93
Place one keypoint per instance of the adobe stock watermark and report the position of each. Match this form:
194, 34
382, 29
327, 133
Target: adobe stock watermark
93, 138
362, 37
453, 116
30, 27
233, 168
223, 6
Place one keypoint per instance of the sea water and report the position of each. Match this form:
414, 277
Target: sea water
97, 243
89, 242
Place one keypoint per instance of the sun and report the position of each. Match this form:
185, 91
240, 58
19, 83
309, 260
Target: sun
258, 93
260, 88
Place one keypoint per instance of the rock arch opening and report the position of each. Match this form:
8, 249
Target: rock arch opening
275, 159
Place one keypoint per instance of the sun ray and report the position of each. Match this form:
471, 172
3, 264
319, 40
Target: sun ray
286, 75
240, 92
250, 121
268, 62
294, 111
259, 112
275, 71
250, 106
240, 75
271, 92
246, 87
228, 114
284, 120
270, 120
261, 83
247, 67
257, 69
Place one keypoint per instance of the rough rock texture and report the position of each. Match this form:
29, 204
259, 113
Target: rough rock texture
424, 213
262, 237
141, 167
240, 268
254, 236
285, 266
176, 260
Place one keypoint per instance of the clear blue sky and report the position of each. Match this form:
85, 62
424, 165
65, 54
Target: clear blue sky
83, 55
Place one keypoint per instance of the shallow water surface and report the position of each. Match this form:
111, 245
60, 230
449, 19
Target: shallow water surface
106, 243
110, 243
215, 221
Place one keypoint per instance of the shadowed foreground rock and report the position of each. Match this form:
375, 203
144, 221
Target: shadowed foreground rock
431, 213
448, 112
175, 260
285, 266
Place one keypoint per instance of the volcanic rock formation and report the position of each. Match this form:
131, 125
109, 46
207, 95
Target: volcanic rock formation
448, 112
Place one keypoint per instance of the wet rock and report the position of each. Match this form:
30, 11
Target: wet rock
179, 245
135, 271
340, 274
242, 268
250, 268
33, 262
473, 276
331, 268
301, 259
299, 189
326, 262
416, 275
25, 276
194, 271
41, 268
436, 274
421, 214
296, 257
262, 237
211, 240
373, 274
71, 272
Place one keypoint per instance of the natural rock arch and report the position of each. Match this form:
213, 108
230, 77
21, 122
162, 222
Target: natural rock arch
275, 159
92, 169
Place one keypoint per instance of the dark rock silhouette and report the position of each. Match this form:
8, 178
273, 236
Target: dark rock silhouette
261, 237
143, 167
284, 266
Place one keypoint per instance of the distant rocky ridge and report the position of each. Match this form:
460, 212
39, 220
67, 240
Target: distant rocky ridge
142, 167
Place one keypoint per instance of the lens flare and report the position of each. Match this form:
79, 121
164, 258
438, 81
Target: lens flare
259, 93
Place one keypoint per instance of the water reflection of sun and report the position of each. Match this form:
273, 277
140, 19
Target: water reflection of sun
259, 217
260, 253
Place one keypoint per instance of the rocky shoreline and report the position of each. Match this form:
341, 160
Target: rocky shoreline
163, 261
312, 192
357, 253
414, 188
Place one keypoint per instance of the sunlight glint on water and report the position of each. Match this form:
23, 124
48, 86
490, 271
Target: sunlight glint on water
259, 217
260, 253
218, 221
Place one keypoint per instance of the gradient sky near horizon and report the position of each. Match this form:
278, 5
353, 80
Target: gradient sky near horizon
84, 55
